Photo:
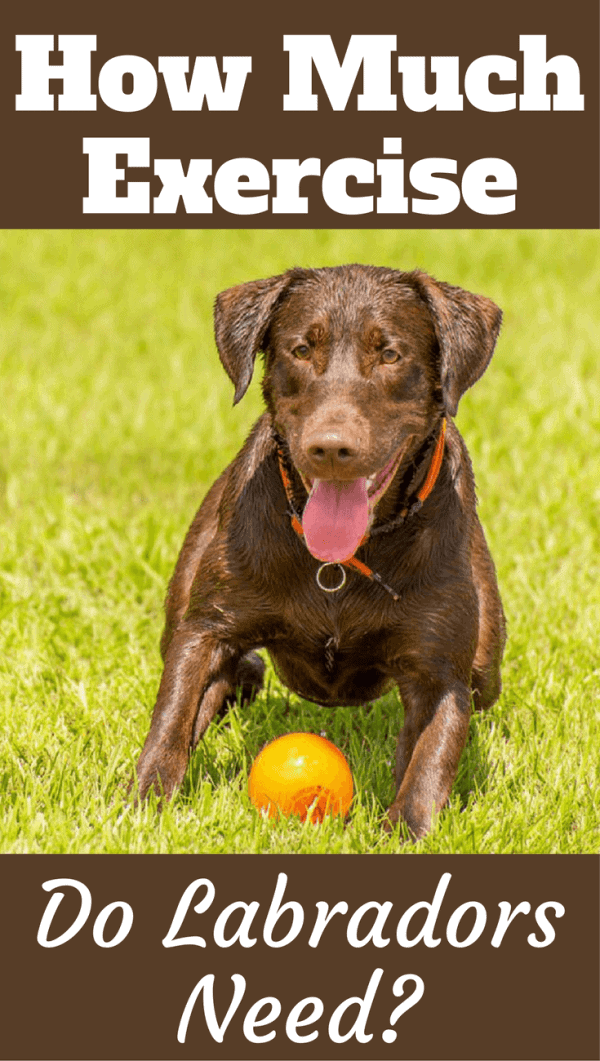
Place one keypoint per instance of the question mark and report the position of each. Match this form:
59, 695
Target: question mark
389, 1035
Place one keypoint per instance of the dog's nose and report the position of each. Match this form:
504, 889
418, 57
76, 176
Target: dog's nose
331, 449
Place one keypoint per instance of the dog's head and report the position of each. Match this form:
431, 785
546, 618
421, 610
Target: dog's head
361, 365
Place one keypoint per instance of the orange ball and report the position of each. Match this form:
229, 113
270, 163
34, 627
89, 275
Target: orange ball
301, 774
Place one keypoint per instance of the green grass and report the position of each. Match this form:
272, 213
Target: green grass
117, 417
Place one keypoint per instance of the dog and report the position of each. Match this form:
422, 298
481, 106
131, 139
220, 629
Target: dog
343, 538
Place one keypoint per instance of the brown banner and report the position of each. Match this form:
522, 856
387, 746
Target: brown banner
498, 114
300, 957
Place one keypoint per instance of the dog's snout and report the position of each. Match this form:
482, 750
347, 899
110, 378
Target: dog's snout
329, 446
332, 452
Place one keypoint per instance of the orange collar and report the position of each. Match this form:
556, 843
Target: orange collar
408, 510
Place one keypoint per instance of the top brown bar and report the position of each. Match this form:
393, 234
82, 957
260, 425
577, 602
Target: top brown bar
299, 119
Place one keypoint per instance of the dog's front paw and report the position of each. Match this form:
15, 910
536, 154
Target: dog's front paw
414, 826
163, 774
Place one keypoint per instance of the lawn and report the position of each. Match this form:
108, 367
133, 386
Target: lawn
117, 417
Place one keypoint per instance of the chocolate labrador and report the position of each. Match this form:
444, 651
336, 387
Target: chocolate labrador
343, 538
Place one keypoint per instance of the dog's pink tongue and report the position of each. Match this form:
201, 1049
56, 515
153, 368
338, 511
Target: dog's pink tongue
335, 519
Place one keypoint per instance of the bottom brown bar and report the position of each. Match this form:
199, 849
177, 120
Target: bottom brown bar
243, 957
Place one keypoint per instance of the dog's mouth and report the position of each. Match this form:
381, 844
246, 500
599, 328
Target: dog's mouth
338, 514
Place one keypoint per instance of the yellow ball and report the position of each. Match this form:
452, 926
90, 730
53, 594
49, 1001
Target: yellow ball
301, 774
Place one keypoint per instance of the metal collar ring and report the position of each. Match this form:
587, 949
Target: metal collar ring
330, 589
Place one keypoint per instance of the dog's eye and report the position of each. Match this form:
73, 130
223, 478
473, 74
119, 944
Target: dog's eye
390, 356
301, 352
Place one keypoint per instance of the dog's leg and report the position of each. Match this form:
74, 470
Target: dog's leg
199, 672
223, 693
435, 731
217, 699
247, 683
486, 681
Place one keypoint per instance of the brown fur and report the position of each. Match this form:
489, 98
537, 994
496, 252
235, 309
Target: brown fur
245, 580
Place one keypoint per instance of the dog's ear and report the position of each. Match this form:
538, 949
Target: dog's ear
242, 317
467, 327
